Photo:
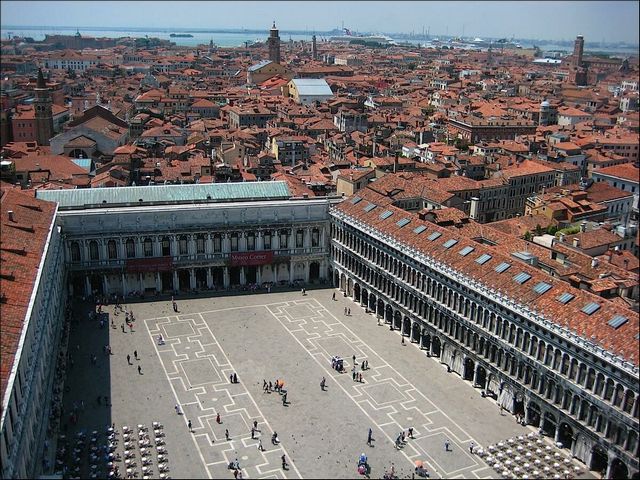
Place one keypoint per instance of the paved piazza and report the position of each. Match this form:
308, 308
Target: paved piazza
292, 337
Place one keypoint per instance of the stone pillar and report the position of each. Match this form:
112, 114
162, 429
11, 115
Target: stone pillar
124, 285
176, 281
259, 274
174, 246
243, 277
192, 279
122, 252
323, 236
158, 282
157, 245
208, 244
323, 270
87, 286
227, 280
306, 239
275, 240
226, 243
105, 285
137, 242
306, 272
260, 240
527, 417
291, 271
103, 251
141, 282
475, 374
242, 242
209, 278
556, 437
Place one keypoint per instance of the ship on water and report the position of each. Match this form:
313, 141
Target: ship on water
348, 36
181, 35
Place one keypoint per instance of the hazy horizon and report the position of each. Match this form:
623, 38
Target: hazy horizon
597, 21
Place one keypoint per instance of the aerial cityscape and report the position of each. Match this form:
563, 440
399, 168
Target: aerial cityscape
351, 239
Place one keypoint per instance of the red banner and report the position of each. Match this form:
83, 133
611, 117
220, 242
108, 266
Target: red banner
246, 259
156, 264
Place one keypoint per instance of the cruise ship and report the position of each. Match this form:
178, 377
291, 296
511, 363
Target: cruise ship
349, 36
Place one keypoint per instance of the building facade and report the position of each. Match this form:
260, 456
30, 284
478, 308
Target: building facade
183, 247
575, 390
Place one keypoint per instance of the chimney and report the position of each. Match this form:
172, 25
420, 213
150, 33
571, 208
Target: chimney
395, 163
594, 262
576, 242
583, 227
10, 212
562, 238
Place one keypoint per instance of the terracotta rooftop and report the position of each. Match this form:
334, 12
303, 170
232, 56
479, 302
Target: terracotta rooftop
21, 248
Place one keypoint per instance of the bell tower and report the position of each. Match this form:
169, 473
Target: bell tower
274, 44
43, 111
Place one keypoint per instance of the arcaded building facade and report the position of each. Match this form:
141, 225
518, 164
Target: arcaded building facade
563, 359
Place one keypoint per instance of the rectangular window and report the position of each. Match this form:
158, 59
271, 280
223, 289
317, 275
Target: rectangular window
284, 239
200, 244
148, 248
234, 243
131, 249
299, 239
182, 245
315, 238
267, 241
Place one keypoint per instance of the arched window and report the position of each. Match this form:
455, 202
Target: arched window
200, 243
147, 247
130, 248
93, 250
234, 242
315, 237
75, 252
251, 241
299, 238
112, 249
217, 243
284, 239
266, 240
182, 245
166, 247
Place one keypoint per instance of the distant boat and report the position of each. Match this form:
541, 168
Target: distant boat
181, 35
350, 37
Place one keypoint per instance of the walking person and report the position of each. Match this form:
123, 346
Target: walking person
218, 419
235, 378
123, 331
284, 462
345, 311
471, 445
135, 354
322, 383
253, 433
446, 446
284, 399
139, 370
348, 312
255, 425
189, 425
226, 434
260, 447
410, 432
369, 437
274, 438
334, 296
128, 359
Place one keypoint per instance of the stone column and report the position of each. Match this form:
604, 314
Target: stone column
259, 274
158, 282
192, 279
141, 281
275, 240
291, 271
85, 250
157, 245
103, 250
227, 280
306, 239
260, 240
243, 277
138, 246
226, 243
176, 281
87, 286
208, 244
105, 285
174, 246
556, 437
122, 252
124, 285
306, 272
209, 278
242, 242
527, 417
475, 374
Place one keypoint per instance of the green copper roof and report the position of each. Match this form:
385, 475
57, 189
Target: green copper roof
160, 194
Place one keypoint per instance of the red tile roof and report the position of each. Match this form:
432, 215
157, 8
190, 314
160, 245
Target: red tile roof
21, 248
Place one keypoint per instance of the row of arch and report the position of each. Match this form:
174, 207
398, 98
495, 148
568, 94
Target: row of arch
376, 286
552, 357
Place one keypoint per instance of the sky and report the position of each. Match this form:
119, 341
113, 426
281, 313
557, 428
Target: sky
550, 20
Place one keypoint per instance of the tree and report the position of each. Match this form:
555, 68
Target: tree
527, 235
539, 230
